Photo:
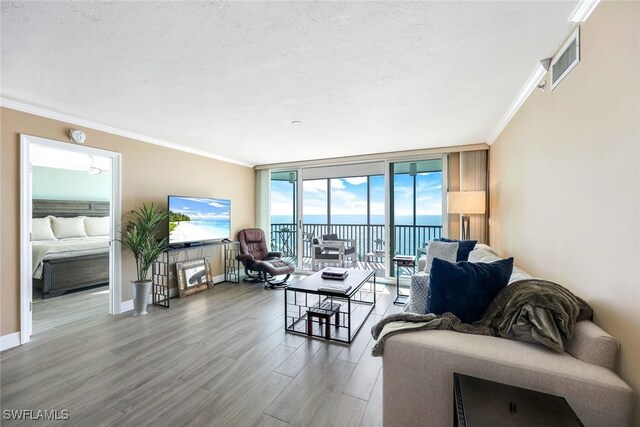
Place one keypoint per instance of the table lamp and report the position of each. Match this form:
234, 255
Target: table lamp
466, 203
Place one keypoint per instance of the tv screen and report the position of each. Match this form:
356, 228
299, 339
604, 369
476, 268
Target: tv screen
193, 219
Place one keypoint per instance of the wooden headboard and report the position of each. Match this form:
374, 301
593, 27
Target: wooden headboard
69, 208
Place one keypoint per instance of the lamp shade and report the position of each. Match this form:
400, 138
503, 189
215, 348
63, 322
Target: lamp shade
466, 202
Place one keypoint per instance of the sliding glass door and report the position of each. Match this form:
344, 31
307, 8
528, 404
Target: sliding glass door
284, 214
416, 205
348, 208
383, 209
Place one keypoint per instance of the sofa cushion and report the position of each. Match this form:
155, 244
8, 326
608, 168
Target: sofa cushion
485, 247
484, 253
466, 289
41, 229
446, 251
593, 345
464, 247
418, 294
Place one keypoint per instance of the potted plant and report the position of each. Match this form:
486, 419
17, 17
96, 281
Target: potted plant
141, 239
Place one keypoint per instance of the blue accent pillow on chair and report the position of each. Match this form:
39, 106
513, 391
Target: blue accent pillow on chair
467, 288
464, 247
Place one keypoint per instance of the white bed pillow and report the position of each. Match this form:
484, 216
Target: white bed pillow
66, 228
96, 226
41, 229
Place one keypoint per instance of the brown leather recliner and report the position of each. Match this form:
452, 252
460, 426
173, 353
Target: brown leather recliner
260, 264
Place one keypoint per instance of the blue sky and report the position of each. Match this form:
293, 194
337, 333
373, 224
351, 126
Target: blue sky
349, 196
428, 194
201, 209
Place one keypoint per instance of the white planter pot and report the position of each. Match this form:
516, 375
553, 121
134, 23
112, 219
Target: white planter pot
140, 291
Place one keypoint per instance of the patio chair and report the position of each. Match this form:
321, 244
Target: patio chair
378, 253
261, 265
331, 249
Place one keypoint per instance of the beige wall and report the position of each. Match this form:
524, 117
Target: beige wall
565, 181
149, 173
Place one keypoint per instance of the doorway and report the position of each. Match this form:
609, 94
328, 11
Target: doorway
99, 216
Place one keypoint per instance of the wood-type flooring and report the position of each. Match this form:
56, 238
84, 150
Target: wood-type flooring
218, 358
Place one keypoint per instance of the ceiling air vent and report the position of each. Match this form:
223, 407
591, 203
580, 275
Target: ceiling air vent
567, 58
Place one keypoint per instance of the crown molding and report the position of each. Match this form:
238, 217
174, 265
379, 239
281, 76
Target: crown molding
524, 93
42, 112
583, 10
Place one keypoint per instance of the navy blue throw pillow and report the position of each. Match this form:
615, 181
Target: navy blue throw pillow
464, 247
466, 288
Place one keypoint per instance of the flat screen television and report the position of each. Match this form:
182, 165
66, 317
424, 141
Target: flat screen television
195, 220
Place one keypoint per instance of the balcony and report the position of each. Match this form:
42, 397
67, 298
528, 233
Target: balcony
370, 240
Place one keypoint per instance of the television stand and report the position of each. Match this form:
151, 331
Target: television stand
163, 269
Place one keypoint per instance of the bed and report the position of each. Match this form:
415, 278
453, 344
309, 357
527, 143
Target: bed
70, 245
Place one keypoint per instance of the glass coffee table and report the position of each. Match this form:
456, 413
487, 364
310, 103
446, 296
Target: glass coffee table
313, 311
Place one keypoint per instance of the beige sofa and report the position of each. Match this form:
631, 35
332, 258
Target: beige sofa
418, 371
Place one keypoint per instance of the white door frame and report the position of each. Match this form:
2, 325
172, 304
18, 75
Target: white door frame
26, 211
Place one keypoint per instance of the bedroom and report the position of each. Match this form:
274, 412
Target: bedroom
71, 228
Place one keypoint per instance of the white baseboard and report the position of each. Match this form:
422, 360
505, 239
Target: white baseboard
128, 305
9, 341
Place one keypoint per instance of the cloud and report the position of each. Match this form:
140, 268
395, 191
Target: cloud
337, 184
315, 186
218, 204
314, 207
281, 203
344, 202
211, 215
358, 180
352, 200
196, 199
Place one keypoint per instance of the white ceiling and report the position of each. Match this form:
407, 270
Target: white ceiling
229, 78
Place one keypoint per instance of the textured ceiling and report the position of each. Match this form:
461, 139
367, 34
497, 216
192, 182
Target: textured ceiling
229, 78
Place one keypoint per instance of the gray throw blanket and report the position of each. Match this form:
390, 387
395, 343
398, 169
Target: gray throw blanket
531, 310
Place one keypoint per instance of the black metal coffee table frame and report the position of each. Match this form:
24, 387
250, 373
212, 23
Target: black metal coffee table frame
359, 301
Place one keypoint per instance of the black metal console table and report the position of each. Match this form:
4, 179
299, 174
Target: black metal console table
231, 264
163, 269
